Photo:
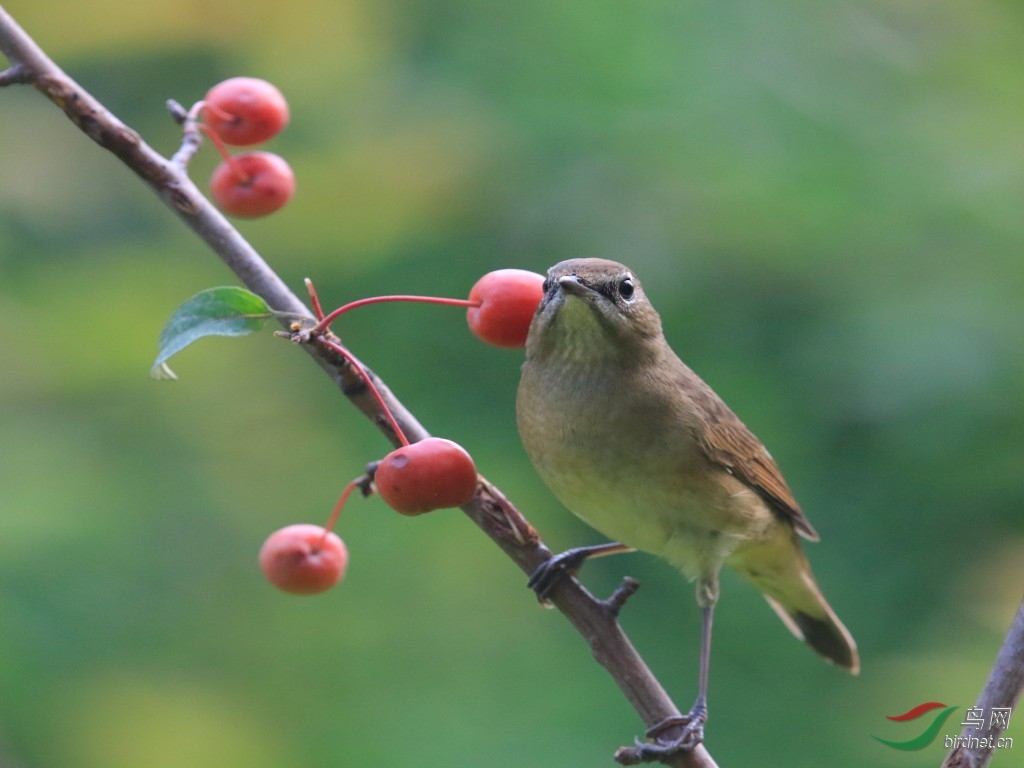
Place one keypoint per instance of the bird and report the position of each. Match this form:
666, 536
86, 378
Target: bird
637, 445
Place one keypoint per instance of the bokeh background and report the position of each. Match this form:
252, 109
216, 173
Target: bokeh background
825, 203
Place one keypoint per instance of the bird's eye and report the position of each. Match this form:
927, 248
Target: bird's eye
626, 289
547, 285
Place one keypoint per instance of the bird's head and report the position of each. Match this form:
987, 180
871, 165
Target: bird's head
592, 310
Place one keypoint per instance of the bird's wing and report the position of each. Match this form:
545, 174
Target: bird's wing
727, 442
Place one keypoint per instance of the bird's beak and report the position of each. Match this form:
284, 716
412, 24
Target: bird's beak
573, 286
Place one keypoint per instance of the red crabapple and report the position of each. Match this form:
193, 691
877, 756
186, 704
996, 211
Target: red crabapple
508, 299
421, 477
245, 110
303, 559
252, 184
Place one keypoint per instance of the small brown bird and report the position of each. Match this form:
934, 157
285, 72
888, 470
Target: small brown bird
637, 445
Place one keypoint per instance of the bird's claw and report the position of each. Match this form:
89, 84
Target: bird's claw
552, 571
661, 750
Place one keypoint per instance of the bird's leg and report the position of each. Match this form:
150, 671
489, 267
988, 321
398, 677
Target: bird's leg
692, 723
549, 573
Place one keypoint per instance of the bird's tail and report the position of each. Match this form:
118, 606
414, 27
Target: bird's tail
781, 572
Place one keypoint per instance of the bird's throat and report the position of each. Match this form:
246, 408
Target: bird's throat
578, 334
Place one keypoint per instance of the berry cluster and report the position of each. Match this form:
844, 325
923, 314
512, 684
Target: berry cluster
241, 112
415, 478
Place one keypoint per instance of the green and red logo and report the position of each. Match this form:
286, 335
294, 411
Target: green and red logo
985, 727
927, 736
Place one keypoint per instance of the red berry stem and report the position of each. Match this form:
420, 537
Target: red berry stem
336, 512
318, 310
216, 111
351, 360
319, 330
222, 148
325, 322
193, 117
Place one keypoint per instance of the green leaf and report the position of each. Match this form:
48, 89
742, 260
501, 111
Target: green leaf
224, 311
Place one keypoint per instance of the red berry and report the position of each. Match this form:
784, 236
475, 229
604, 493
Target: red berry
302, 560
245, 110
509, 298
252, 184
431, 474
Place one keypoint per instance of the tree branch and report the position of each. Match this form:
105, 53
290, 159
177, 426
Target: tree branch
1002, 690
594, 619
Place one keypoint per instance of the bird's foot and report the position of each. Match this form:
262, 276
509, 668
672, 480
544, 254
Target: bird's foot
552, 571
664, 748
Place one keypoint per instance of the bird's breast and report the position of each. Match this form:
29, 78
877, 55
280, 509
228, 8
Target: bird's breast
625, 460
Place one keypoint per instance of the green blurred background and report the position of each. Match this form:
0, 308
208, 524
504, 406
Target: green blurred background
824, 200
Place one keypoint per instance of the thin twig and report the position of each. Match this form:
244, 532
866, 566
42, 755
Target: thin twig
15, 75
622, 593
191, 136
490, 510
1002, 691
